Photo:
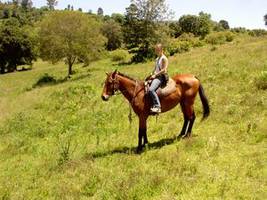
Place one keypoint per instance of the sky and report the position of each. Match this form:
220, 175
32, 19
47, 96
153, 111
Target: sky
239, 13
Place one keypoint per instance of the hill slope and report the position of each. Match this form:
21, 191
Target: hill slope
62, 142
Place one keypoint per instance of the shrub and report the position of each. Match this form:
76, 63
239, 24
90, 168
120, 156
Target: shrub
229, 36
198, 43
191, 39
239, 30
213, 48
44, 80
186, 37
219, 38
261, 81
177, 46
120, 55
257, 32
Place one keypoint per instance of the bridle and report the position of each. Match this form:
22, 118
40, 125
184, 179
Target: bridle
115, 88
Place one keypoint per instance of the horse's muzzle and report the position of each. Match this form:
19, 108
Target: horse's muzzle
105, 97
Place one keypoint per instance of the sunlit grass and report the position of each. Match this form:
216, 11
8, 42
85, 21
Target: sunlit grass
60, 141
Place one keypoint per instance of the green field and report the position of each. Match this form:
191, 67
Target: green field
61, 141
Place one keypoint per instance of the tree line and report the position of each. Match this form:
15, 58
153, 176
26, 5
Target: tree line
74, 36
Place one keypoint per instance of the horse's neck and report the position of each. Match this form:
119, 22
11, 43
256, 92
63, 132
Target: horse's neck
128, 87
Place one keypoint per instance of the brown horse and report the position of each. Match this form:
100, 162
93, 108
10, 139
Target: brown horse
186, 89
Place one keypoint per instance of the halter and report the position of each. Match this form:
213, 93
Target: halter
115, 85
115, 88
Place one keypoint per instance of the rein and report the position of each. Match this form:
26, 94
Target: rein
115, 91
131, 103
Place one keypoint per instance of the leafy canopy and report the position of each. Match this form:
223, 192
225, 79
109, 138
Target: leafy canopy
17, 45
70, 36
143, 26
198, 25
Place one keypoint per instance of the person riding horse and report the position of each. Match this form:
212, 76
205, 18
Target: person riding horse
159, 78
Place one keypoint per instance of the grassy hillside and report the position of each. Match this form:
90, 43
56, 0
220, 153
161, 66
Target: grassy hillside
61, 141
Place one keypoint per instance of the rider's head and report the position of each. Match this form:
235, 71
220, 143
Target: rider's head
159, 49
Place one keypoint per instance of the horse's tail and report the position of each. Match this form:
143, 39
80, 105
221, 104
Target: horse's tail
205, 102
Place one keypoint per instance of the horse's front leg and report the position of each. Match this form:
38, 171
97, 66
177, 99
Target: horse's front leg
142, 134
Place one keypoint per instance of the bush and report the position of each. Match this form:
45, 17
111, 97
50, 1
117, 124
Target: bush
219, 38
120, 55
177, 46
257, 32
261, 81
183, 43
186, 37
239, 30
191, 39
44, 80
229, 36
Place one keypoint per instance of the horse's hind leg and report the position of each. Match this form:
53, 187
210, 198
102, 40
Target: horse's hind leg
191, 123
184, 129
189, 118
186, 122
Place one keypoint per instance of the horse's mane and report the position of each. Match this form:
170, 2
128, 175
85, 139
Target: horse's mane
126, 76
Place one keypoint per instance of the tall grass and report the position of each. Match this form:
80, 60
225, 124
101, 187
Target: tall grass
61, 141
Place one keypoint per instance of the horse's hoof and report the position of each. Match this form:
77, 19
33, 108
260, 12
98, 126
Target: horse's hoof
187, 136
180, 137
139, 150
145, 145
184, 136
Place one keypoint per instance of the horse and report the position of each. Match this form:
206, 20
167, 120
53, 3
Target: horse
185, 91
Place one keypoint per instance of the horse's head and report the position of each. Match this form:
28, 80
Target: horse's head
111, 85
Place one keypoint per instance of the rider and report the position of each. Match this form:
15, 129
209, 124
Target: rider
159, 77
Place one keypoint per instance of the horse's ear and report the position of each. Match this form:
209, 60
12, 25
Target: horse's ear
114, 73
107, 73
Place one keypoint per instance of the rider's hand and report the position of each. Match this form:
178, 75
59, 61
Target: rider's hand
153, 76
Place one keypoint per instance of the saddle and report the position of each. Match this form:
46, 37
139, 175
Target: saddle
161, 92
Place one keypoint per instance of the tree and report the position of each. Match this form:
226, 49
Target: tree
112, 31
70, 36
16, 3
142, 22
51, 4
224, 24
189, 24
205, 24
117, 17
26, 4
175, 29
17, 47
6, 13
265, 19
100, 11
198, 25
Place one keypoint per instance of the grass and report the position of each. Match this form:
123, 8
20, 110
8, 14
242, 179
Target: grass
60, 141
